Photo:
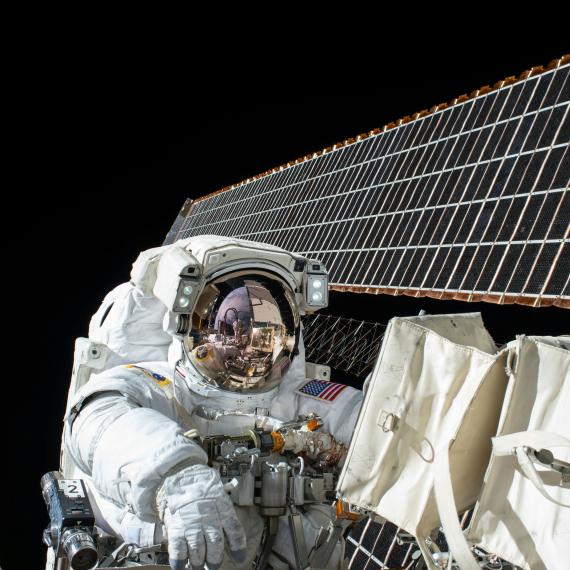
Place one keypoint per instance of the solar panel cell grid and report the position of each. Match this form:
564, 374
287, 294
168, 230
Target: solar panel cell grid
466, 201
542, 264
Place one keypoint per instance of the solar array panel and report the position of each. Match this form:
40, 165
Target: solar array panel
376, 546
468, 200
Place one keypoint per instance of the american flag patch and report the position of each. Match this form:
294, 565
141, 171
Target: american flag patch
321, 389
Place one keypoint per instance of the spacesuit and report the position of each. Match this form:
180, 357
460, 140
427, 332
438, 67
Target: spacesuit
204, 340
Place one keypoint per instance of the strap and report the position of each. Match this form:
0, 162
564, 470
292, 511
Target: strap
445, 500
444, 491
82, 402
502, 446
517, 444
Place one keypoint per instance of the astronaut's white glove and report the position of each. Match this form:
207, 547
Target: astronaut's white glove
197, 512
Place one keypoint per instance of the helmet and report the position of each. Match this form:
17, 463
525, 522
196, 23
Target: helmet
244, 331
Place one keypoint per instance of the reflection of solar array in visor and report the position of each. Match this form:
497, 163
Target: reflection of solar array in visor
469, 201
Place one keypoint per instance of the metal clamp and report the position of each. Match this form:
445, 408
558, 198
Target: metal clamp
388, 421
546, 457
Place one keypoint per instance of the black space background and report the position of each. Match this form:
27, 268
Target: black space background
111, 153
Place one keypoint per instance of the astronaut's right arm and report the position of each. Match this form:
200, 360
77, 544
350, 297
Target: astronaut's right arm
139, 459
127, 449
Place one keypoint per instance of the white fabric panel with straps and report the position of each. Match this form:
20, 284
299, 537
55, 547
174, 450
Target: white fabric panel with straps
449, 422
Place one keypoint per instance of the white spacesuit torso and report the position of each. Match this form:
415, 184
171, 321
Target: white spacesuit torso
128, 422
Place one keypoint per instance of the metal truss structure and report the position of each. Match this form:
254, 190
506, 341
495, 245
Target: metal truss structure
344, 344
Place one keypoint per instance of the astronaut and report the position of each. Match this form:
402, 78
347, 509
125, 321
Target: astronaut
204, 340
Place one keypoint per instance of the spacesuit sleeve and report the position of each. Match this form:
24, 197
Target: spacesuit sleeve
129, 322
125, 435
